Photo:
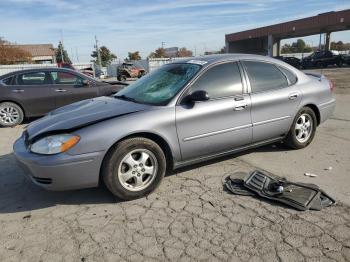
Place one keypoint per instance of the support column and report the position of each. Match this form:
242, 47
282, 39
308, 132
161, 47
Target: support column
273, 46
278, 47
327, 46
270, 45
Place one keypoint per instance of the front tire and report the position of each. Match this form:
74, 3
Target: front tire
303, 129
134, 168
10, 114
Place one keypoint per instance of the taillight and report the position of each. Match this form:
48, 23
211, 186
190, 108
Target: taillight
331, 85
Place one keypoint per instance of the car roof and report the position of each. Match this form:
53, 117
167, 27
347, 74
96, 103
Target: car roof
210, 59
44, 69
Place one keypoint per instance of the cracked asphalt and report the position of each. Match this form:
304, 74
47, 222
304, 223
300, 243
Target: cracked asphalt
189, 217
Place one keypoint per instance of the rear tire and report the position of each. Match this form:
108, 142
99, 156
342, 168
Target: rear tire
303, 129
11, 114
134, 168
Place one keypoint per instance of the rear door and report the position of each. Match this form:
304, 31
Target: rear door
70, 88
220, 124
33, 91
275, 98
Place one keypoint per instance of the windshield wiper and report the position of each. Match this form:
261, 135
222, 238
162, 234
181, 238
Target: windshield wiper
124, 97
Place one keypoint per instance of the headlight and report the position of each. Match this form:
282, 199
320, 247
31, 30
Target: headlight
54, 144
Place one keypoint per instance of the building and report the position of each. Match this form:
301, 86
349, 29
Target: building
41, 53
171, 51
266, 40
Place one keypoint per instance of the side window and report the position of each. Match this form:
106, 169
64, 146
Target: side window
264, 76
8, 81
291, 77
33, 78
220, 81
65, 78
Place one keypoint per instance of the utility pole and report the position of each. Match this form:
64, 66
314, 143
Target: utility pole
163, 43
62, 57
76, 52
98, 53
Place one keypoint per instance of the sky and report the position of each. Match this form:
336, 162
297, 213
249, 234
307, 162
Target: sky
142, 25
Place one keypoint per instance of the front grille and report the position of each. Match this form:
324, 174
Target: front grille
43, 180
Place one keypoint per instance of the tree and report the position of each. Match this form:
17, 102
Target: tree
296, 47
106, 56
134, 55
11, 54
340, 46
183, 52
158, 53
59, 52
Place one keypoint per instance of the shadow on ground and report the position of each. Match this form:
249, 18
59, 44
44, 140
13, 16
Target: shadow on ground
19, 194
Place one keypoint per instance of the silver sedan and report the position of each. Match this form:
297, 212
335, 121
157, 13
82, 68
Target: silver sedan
184, 112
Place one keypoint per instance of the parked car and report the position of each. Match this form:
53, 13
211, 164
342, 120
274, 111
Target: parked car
180, 114
35, 92
322, 59
347, 59
293, 61
129, 70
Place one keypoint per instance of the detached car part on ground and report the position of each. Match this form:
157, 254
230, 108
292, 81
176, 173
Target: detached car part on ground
182, 113
300, 196
35, 92
129, 70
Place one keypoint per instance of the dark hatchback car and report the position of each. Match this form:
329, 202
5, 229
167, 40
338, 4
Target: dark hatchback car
35, 92
293, 61
322, 59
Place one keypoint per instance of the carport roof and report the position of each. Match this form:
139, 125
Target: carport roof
326, 22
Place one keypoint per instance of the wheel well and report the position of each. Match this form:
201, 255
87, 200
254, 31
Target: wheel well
9, 101
316, 111
155, 138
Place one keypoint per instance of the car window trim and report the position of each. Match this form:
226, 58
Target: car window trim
185, 90
3, 80
289, 83
266, 62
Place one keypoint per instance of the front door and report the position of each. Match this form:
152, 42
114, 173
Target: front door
69, 88
275, 99
220, 124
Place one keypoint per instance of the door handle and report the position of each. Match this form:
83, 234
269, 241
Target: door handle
293, 96
18, 91
60, 90
240, 106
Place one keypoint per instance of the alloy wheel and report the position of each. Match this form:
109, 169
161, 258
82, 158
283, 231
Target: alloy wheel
9, 115
137, 170
303, 128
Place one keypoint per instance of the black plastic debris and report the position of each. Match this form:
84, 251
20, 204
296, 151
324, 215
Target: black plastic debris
300, 196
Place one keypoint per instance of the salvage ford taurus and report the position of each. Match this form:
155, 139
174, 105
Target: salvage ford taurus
182, 113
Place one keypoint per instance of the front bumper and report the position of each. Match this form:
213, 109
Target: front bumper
60, 171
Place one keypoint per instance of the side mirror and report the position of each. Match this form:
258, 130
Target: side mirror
199, 96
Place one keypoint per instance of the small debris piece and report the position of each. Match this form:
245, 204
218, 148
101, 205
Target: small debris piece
27, 216
329, 168
310, 175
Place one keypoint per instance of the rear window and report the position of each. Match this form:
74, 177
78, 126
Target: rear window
34, 78
292, 78
8, 81
264, 76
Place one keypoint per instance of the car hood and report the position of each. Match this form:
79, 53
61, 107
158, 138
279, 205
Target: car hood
83, 113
